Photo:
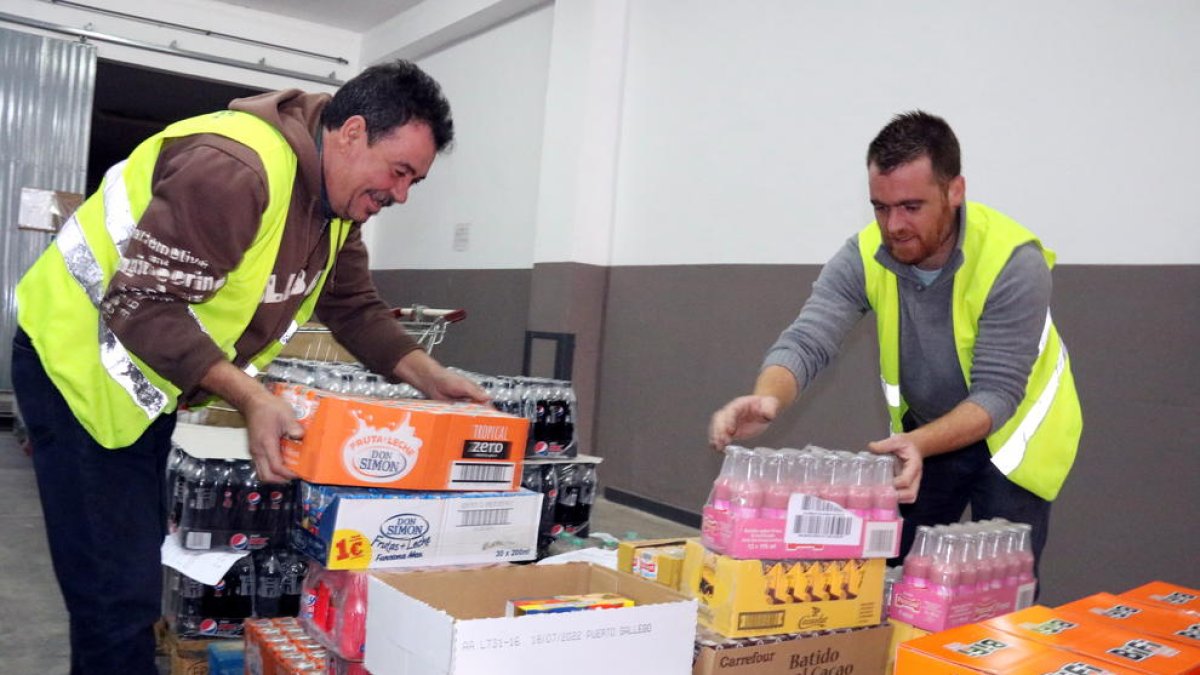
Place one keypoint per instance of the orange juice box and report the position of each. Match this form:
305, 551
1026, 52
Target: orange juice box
1121, 647
1169, 596
967, 649
403, 444
1177, 626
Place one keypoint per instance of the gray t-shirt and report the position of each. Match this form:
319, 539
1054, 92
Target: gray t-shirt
931, 379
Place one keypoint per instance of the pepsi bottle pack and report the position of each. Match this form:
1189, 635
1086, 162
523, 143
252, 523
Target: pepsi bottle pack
569, 492
266, 583
219, 504
803, 504
548, 404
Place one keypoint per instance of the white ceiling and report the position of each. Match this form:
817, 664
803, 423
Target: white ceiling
354, 15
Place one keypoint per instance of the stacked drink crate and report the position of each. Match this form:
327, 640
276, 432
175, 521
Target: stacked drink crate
791, 561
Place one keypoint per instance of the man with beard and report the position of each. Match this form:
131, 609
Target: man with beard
978, 385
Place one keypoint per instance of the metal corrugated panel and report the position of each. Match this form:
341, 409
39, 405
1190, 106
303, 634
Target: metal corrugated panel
46, 87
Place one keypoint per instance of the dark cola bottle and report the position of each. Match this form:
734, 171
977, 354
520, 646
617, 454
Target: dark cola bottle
247, 499
277, 509
547, 528
268, 584
582, 516
190, 604
569, 486
200, 502
294, 567
224, 515
241, 578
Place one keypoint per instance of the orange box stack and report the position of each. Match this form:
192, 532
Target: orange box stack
1181, 627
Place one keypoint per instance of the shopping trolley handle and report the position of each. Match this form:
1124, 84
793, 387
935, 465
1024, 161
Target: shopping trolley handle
420, 312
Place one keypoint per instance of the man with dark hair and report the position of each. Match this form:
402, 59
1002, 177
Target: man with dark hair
977, 383
179, 279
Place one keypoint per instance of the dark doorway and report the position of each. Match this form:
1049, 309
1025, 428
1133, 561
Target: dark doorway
133, 103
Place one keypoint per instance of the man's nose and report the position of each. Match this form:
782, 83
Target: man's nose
400, 191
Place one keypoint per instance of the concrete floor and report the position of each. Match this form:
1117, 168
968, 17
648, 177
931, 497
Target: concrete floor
33, 621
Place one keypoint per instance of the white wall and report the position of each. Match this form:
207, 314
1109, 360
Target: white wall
496, 84
746, 126
214, 16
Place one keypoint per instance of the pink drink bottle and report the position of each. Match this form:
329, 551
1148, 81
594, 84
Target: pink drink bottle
859, 494
919, 560
837, 488
884, 503
1012, 565
984, 562
722, 489
805, 474
747, 497
944, 573
968, 570
1024, 553
779, 486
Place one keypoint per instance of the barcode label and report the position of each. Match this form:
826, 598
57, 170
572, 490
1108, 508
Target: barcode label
816, 521
483, 517
822, 526
478, 475
760, 620
198, 541
881, 540
1025, 594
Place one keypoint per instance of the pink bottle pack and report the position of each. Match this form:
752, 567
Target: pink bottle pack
811, 504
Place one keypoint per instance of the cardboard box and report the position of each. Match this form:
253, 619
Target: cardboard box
901, 633
1167, 596
1135, 651
1068, 663
831, 534
46, 210
747, 598
452, 623
403, 444
659, 560
859, 650
359, 528
1177, 626
314, 342
927, 608
971, 648
187, 656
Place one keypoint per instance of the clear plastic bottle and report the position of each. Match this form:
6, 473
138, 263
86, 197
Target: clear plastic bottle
779, 486
722, 489
885, 503
859, 493
747, 494
836, 479
968, 569
919, 561
1024, 552
944, 574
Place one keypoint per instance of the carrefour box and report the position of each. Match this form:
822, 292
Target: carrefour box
746, 598
1165, 595
1123, 648
1177, 626
901, 632
856, 650
971, 648
1068, 663
403, 444
453, 623
813, 529
360, 528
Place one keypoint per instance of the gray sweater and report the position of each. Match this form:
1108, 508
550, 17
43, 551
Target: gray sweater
931, 379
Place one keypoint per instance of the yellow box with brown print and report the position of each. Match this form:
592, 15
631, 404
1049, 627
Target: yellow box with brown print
748, 598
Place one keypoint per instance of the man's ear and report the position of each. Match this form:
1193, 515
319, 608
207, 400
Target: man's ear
353, 130
957, 191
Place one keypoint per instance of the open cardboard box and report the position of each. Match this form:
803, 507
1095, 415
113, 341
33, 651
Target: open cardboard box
453, 623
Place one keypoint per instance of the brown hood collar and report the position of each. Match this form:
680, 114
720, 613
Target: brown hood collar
298, 116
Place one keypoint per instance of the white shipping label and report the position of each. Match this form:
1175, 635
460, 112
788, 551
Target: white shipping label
812, 520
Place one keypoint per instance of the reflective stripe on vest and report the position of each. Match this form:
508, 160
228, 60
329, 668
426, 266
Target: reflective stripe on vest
1037, 462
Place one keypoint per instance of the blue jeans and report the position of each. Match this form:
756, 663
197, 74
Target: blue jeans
105, 522
951, 481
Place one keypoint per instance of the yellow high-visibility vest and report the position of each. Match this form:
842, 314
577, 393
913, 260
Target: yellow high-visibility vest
1036, 447
113, 393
